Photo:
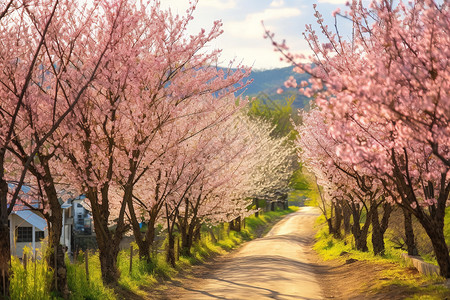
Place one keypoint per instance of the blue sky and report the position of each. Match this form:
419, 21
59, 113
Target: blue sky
243, 33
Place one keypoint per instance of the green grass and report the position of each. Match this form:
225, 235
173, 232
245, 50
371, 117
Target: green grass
34, 283
31, 283
141, 272
80, 286
419, 286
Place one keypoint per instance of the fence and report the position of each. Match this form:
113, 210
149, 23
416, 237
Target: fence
421, 266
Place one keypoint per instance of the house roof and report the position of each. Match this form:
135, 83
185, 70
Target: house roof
32, 218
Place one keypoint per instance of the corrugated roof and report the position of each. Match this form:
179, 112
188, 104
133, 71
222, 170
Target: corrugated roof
32, 218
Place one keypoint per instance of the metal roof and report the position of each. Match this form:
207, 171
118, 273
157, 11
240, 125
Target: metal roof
32, 218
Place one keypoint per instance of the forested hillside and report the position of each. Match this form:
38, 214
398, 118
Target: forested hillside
266, 82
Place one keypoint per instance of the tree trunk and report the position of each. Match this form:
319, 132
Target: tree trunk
61, 270
107, 240
5, 247
197, 233
5, 259
213, 237
377, 235
346, 215
238, 224
409, 233
145, 241
361, 241
170, 254
55, 227
330, 226
186, 239
337, 220
360, 234
108, 262
145, 244
256, 203
436, 234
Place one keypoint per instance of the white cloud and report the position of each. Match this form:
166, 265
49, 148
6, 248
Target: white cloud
251, 27
277, 3
274, 14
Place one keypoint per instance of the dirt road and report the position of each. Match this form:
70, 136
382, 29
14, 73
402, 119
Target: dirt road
272, 267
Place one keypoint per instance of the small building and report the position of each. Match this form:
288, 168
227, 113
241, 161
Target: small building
27, 228
77, 224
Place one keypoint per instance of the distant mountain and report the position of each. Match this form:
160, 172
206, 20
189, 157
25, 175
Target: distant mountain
266, 82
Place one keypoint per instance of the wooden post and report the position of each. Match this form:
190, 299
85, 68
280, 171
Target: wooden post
25, 261
35, 266
56, 267
131, 260
178, 248
75, 256
4, 282
86, 263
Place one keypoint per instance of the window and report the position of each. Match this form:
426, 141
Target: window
79, 205
24, 234
38, 235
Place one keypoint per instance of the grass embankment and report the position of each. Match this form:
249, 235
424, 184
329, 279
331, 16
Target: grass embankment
34, 282
395, 274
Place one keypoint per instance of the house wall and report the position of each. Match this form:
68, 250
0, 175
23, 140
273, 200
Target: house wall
17, 247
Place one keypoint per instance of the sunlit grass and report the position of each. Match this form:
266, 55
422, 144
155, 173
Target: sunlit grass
80, 285
397, 275
35, 282
32, 282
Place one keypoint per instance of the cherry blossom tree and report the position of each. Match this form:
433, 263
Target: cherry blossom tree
48, 60
154, 71
390, 82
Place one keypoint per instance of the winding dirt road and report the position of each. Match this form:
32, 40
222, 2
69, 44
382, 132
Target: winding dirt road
272, 267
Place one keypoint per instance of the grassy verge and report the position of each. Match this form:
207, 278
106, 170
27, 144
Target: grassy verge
34, 282
396, 276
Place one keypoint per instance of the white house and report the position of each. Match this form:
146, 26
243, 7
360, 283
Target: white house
27, 228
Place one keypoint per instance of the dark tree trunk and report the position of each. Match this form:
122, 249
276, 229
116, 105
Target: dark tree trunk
55, 224
213, 237
235, 224
360, 234
170, 253
230, 226
256, 203
361, 242
197, 233
61, 270
330, 226
409, 233
346, 215
144, 240
5, 259
378, 229
337, 220
436, 234
108, 240
432, 220
238, 224
186, 239
108, 262
146, 243
5, 247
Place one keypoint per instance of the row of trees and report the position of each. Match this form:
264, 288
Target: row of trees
114, 101
379, 135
